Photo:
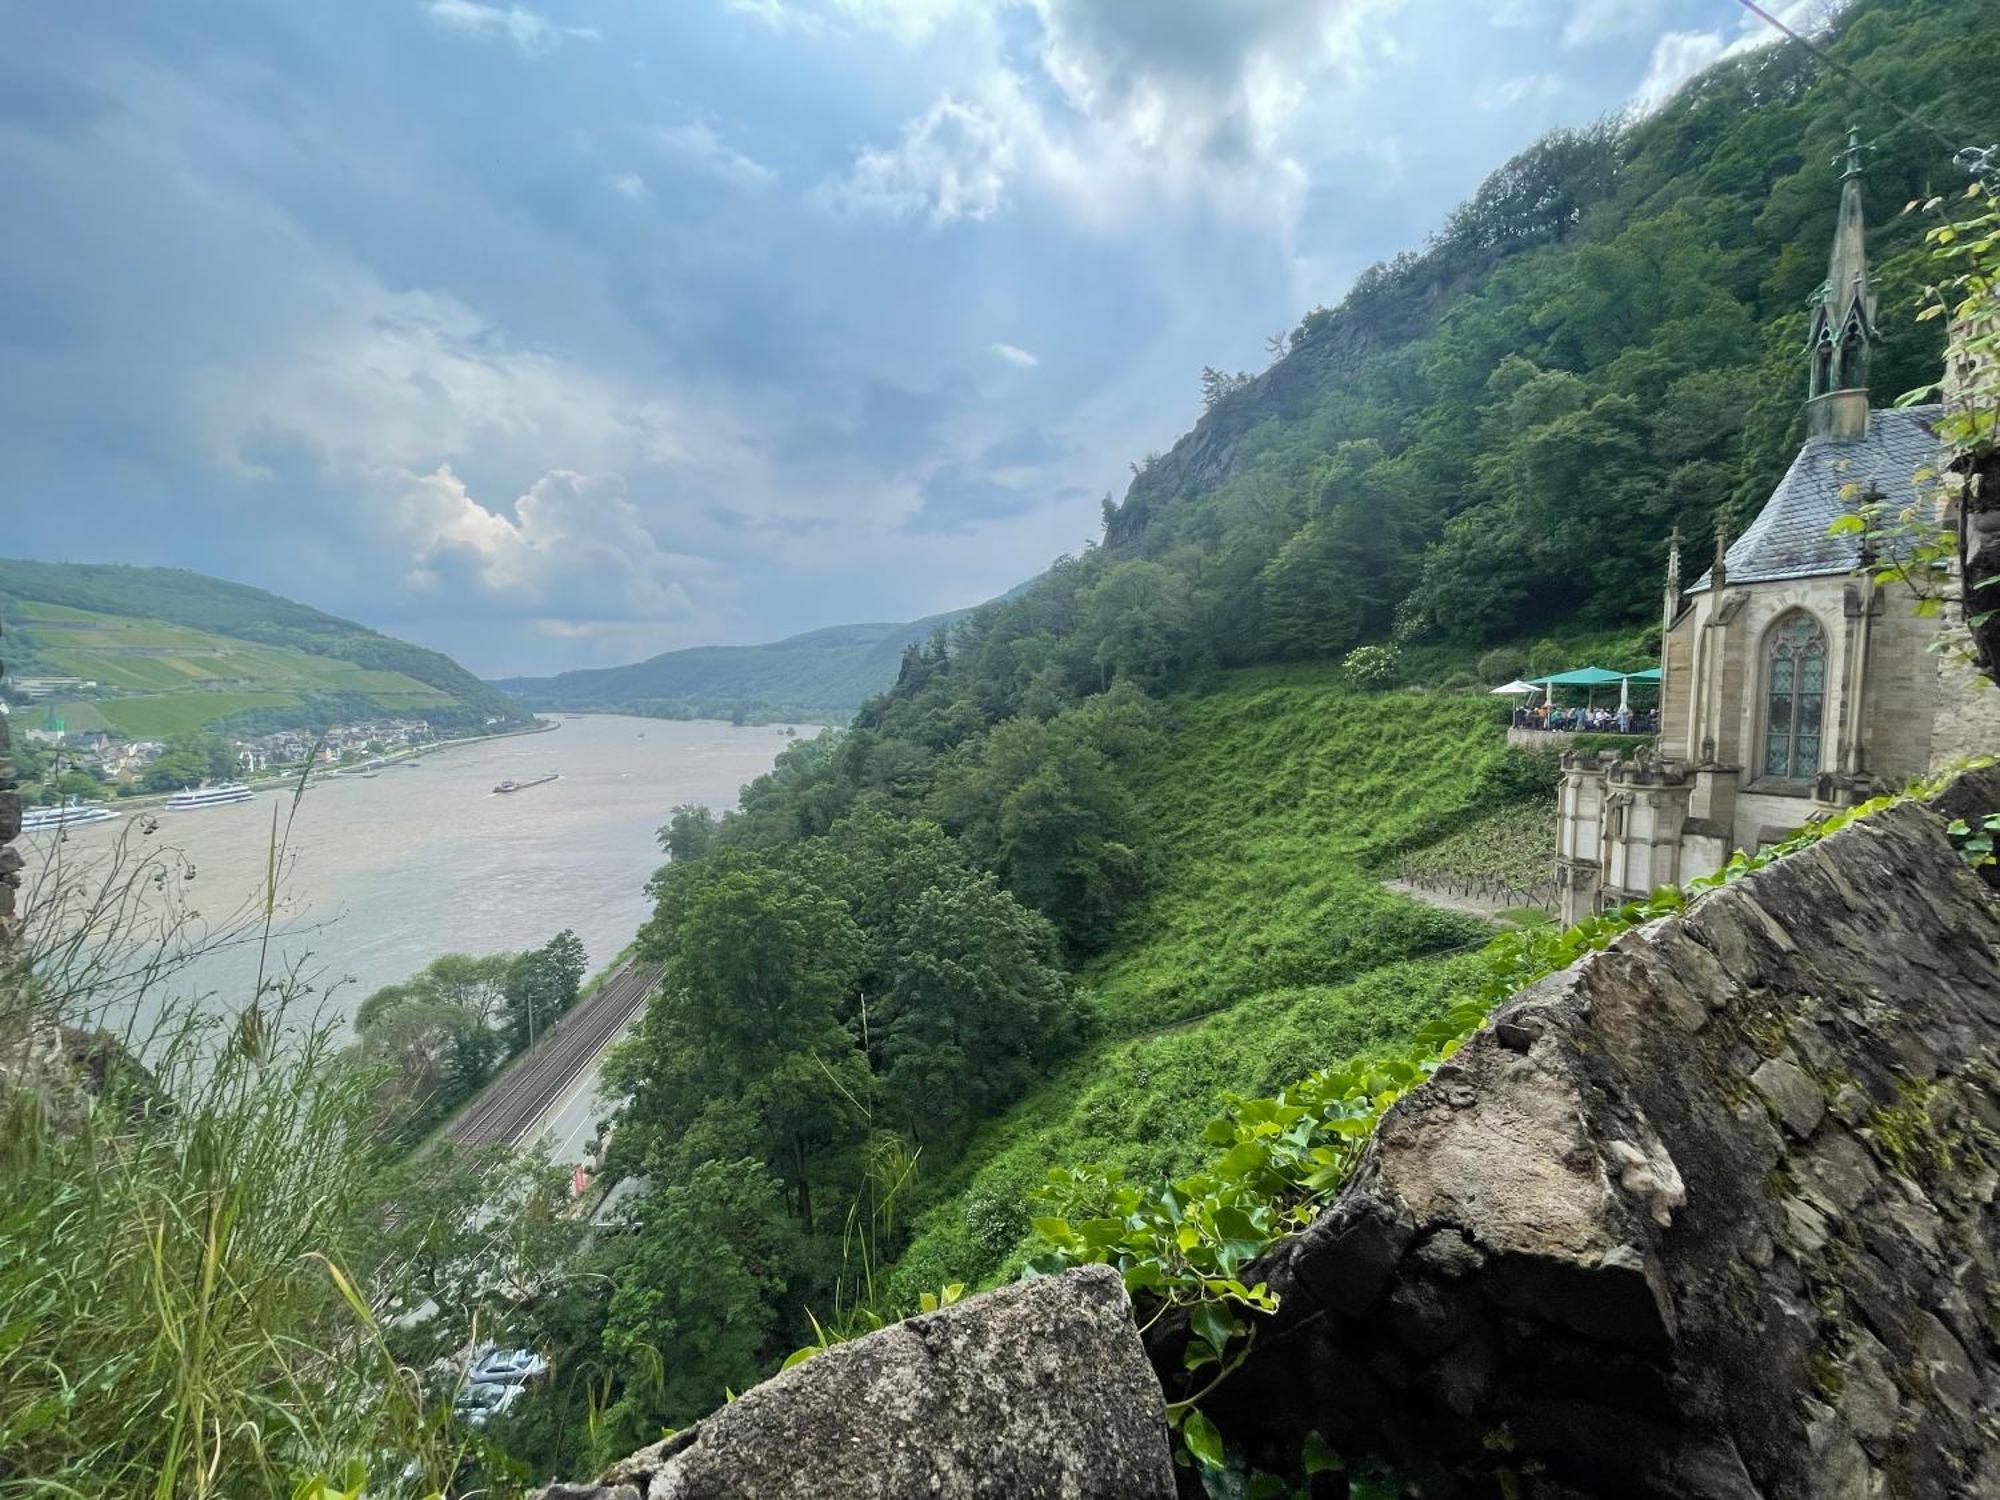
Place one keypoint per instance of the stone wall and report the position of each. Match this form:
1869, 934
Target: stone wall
1708, 1216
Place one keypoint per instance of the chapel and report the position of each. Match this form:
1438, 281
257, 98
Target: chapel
1791, 682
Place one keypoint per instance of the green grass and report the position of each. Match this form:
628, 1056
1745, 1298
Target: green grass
1266, 948
155, 718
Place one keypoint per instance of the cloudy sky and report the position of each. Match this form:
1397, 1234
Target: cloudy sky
561, 333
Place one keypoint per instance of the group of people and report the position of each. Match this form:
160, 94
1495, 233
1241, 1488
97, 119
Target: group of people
1621, 720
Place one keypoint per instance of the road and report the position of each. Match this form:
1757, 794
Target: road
522, 1098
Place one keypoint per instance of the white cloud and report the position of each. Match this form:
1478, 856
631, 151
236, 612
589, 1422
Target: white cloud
576, 549
532, 32
631, 185
1520, 89
1113, 109
952, 162
1602, 20
702, 148
1018, 357
1679, 55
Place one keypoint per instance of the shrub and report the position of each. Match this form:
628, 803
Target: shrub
1459, 682
1371, 666
1503, 664
1547, 656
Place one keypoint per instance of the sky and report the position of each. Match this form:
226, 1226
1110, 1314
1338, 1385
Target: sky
563, 333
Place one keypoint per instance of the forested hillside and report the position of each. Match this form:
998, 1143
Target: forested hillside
822, 675
1111, 848
181, 650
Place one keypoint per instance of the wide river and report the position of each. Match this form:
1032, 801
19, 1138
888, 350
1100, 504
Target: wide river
387, 871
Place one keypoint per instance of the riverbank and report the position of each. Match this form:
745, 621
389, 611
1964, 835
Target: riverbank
289, 775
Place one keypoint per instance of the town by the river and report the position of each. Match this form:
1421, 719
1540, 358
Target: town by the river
386, 870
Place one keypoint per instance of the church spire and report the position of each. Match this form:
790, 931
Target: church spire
1843, 322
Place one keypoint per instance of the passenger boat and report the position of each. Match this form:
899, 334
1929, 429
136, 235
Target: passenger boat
521, 786
71, 814
194, 798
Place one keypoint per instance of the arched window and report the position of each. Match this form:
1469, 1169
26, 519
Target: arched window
1794, 697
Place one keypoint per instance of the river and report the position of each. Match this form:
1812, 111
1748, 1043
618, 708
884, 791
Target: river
388, 870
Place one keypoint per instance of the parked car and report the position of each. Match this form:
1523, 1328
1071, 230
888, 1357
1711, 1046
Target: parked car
481, 1402
506, 1367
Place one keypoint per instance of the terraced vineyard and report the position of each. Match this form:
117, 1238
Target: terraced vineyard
230, 651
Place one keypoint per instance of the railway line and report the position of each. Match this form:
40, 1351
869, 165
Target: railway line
503, 1111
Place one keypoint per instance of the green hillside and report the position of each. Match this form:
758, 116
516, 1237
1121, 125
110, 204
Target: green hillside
1195, 750
823, 675
173, 651
1267, 943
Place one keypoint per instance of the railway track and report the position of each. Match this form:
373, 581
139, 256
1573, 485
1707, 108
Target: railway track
501, 1112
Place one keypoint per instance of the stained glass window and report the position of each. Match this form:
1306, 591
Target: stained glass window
1795, 698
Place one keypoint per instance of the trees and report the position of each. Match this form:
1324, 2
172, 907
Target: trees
188, 760
689, 832
705, 1293
538, 986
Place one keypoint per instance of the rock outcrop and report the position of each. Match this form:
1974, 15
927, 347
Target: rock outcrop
1040, 1389
1709, 1215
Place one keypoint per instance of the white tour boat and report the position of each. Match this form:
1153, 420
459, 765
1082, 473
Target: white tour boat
195, 797
71, 814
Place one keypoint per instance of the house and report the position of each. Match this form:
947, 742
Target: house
1792, 682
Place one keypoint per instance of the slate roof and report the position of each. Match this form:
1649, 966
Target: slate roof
1789, 537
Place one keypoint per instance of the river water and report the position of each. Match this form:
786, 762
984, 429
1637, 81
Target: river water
386, 871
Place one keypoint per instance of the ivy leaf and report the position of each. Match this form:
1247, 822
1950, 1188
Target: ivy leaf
1211, 1322
1202, 1440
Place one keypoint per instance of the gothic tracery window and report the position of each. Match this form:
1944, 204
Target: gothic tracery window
1794, 697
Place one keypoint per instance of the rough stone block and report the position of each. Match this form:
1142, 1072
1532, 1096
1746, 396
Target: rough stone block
1041, 1389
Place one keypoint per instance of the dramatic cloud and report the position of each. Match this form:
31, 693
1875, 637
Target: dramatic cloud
556, 333
951, 163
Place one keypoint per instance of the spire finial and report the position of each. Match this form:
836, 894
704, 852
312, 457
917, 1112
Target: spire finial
1852, 154
1674, 557
1719, 569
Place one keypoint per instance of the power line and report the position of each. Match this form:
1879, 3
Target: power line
1974, 159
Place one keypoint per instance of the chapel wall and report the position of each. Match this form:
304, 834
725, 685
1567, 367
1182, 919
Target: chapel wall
1901, 696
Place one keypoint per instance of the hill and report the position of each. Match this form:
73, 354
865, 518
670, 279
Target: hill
1195, 750
173, 651
823, 674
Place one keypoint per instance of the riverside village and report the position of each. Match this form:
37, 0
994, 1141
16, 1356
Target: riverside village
689, 810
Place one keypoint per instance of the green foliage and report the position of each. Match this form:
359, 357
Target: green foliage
706, 1286
1370, 666
433, 1041
540, 986
689, 832
189, 760
1183, 1243
1503, 664
176, 1207
1512, 846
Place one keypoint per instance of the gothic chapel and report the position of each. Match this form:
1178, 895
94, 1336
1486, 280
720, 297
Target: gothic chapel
1791, 682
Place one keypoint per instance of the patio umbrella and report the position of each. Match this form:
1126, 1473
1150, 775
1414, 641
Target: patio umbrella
1515, 688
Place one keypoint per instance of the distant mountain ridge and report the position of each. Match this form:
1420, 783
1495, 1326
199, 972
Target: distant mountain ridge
823, 674
173, 649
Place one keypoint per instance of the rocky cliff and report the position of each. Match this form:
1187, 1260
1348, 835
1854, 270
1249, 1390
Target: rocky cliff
1708, 1216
